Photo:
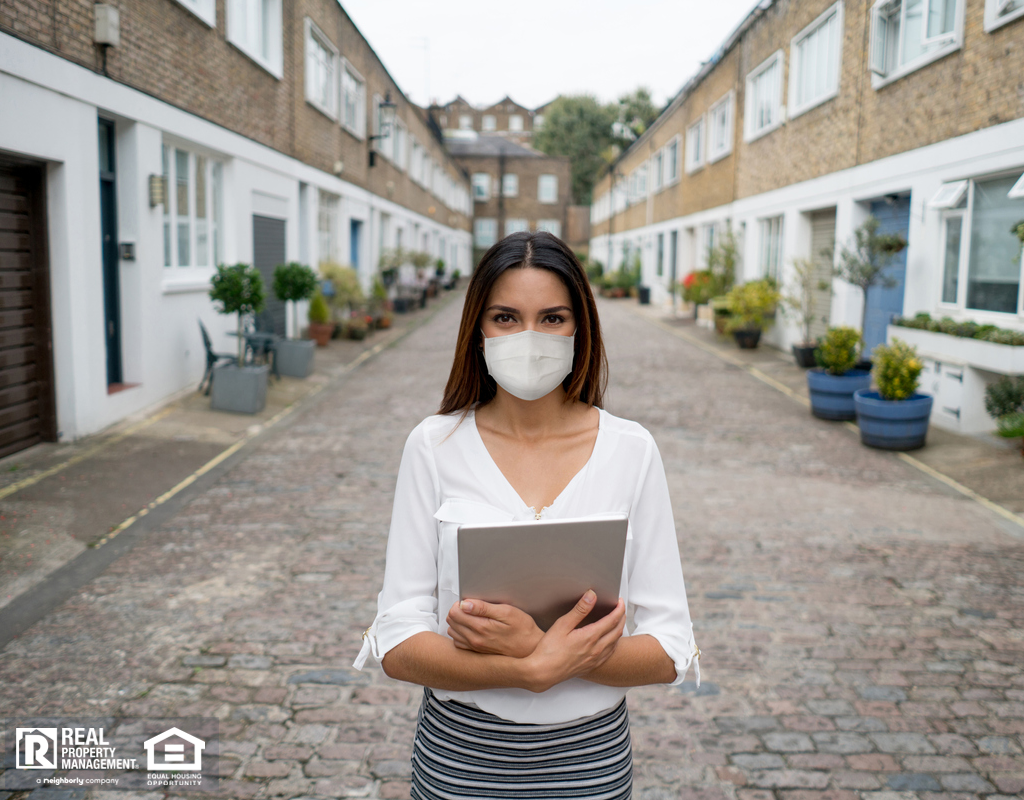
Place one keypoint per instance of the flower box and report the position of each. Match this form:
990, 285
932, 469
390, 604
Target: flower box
1004, 359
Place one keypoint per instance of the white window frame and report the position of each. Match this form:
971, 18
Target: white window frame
481, 181
994, 19
658, 171
515, 123
726, 105
795, 110
465, 122
510, 185
964, 266
478, 225
327, 226
540, 188
771, 245
206, 10
247, 34
880, 47
316, 37
694, 164
516, 225
400, 144
750, 133
552, 226
193, 276
489, 122
538, 121
349, 77
673, 177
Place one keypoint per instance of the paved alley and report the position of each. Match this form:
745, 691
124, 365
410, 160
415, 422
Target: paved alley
862, 626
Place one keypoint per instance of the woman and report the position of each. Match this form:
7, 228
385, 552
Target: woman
510, 710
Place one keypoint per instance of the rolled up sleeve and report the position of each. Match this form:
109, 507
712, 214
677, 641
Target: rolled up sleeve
407, 604
656, 589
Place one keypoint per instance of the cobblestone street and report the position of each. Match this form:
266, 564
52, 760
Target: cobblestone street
862, 625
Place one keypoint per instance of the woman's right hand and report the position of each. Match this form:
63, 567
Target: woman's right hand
566, 651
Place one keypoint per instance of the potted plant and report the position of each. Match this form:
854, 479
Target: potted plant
239, 387
895, 416
800, 304
751, 309
831, 385
1004, 401
293, 283
697, 288
320, 326
865, 263
348, 292
380, 307
358, 325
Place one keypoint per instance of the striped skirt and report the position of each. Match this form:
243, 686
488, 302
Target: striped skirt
461, 752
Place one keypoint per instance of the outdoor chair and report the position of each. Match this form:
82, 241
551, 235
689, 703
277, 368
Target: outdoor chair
212, 359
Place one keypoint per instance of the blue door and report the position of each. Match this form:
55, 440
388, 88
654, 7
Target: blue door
884, 303
354, 232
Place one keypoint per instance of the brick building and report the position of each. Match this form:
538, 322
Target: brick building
259, 116
515, 188
505, 118
813, 115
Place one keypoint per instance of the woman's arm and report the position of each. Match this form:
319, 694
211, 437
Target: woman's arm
564, 652
636, 661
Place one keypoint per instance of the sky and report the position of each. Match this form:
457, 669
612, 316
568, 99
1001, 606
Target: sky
534, 50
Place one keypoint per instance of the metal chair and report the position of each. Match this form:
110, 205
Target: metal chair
212, 359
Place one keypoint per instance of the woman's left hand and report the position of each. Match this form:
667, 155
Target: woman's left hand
493, 629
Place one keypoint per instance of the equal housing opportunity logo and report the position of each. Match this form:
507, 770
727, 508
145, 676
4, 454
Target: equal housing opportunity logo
112, 753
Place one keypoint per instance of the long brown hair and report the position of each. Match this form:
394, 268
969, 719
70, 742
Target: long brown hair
469, 383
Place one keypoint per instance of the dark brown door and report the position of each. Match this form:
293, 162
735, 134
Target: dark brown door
26, 378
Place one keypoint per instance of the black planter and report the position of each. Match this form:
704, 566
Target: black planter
747, 339
644, 295
864, 364
400, 305
804, 355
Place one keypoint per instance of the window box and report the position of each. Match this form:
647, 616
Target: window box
764, 110
909, 34
815, 57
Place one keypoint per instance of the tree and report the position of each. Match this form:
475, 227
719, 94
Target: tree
239, 290
581, 128
635, 112
864, 264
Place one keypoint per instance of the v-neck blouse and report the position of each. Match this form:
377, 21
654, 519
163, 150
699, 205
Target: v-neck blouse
448, 478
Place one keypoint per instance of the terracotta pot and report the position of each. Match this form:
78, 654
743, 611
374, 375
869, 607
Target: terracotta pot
321, 332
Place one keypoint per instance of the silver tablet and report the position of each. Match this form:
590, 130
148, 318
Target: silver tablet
543, 567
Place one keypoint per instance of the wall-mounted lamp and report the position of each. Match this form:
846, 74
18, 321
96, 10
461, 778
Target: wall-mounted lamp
157, 191
106, 28
385, 119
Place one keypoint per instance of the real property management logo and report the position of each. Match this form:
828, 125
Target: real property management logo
67, 748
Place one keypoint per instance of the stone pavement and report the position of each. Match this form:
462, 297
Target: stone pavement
862, 624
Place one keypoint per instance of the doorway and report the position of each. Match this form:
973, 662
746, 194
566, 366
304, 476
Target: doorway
268, 250
111, 261
885, 302
823, 245
355, 235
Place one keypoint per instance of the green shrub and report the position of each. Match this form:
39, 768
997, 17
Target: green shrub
294, 282
837, 350
347, 289
594, 268
318, 311
239, 290
962, 328
697, 286
1011, 425
751, 304
897, 370
1005, 396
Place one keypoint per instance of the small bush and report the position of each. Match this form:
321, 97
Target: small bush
697, 286
318, 311
962, 328
1005, 396
347, 289
751, 305
837, 350
294, 282
897, 370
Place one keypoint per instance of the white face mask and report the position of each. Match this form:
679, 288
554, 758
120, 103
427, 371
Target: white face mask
529, 364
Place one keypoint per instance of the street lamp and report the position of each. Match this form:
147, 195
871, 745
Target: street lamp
385, 120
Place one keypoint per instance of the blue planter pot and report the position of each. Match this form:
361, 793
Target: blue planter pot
892, 424
832, 395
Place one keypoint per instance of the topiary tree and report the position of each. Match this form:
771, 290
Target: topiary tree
239, 290
294, 282
837, 352
864, 264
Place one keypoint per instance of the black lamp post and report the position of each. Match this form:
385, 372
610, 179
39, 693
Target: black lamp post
385, 121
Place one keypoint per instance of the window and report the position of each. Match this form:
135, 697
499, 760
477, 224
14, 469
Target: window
516, 226
327, 227
999, 12
815, 54
254, 27
982, 262
489, 122
465, 122
206, 10
515, 122
547, 188
401, 138
192, 209
770, 254
485, 232
353, 101
552, 226
658, 170
660, 265
720, 128
638, 184
707, 243
321, 71
510, 184
538, 121
695, 146
672, 161
764, 111
481, 186
907, 34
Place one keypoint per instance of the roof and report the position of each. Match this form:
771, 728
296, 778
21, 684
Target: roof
492, 146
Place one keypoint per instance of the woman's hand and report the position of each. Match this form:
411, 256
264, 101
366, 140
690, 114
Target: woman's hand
493, 629
566, 651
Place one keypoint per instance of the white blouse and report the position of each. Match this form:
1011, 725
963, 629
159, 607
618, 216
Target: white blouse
447, 478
